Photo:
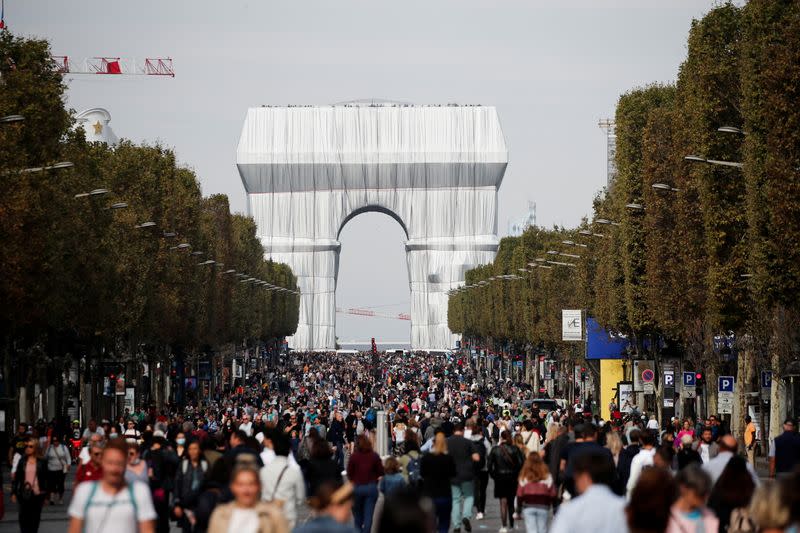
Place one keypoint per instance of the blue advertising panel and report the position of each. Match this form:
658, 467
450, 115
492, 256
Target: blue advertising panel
602, 344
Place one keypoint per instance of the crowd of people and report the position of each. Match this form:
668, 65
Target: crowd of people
344, 442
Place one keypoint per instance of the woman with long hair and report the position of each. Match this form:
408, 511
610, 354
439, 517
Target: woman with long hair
732, 494
650, 506
363, 470
536, 493
614, 444
411, 458
247, 513
436, 470
505, 462
30, 486
188, 481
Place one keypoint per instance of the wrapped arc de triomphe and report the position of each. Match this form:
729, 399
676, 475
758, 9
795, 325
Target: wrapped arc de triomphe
308, 170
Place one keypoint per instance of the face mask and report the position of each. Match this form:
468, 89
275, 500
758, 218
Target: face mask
180, 442
113, 436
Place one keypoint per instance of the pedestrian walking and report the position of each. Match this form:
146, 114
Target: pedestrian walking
392, 479
188, 482
689, 513
749, 439
595, 508
462, 485
536, 493
281, 481
642, 459
437, 468
731, 495
332, 504
784, 454
58, 463
505, 462
136, 470
410, 460
650, 506
112, 504
483, 447
30, 486
246, 513
93, 469
363, 470
686, 453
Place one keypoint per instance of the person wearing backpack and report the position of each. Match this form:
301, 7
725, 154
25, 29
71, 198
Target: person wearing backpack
410, 460
188, 480
505, 462
111, 503
481, 470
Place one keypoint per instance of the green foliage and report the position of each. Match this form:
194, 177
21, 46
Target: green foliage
74, 271
681, 268
633, 114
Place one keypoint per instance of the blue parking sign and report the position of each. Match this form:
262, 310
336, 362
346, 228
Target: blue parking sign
689, 379
766, 379
726, 383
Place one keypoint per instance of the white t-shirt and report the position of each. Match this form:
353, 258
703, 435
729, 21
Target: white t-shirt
247, 427
106, 512
243, 521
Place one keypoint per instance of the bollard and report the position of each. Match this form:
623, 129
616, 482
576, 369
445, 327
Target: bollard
382, 434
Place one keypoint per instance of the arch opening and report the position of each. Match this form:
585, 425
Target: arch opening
373, 278
372, 209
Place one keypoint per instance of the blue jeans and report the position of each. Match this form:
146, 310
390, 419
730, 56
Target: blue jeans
535, 519
442, 506
461, 491
364, 498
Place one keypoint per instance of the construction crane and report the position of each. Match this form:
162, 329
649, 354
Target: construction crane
115, 66
367, 312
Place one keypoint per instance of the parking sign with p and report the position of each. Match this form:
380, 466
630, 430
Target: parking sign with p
726, 384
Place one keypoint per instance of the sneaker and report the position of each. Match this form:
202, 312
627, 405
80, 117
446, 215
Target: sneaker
502, 530
479, 516
457, 530
467, 525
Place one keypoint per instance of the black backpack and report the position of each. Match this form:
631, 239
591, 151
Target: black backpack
480, 448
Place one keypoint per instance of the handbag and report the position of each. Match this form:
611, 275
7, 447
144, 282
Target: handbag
26, 494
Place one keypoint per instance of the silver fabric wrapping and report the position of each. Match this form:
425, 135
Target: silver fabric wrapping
435, 169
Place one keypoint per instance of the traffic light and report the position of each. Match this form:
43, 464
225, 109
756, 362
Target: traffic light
583, 374
699, 381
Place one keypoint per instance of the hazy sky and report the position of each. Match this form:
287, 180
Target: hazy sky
552, 69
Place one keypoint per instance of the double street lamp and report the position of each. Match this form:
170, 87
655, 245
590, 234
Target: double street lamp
11, 118
700, 159
664, 187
